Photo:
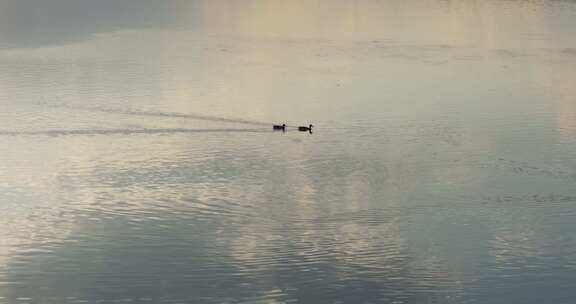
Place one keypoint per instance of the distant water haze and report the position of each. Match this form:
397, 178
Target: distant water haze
139, 165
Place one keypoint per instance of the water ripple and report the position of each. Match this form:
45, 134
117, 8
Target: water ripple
127, 132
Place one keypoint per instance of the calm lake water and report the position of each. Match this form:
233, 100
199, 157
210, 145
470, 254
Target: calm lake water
138, 164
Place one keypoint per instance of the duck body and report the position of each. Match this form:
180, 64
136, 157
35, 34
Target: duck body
305, 129
279, 127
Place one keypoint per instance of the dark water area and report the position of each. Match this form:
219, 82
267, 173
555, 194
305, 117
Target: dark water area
139, 165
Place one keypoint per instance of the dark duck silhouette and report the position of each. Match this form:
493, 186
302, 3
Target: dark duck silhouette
305, 129
279, 127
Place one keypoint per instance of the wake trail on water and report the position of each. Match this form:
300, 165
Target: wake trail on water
126, 132
167, 115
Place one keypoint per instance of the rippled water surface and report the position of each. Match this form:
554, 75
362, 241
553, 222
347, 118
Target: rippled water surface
138, 164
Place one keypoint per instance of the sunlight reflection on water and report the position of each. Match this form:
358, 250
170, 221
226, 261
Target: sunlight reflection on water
139, 163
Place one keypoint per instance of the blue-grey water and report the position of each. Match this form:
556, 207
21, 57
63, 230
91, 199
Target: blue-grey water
138, 164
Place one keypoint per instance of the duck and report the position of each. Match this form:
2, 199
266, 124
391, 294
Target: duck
304, 129
279, 127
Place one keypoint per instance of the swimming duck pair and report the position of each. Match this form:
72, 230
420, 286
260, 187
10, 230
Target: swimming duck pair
300, 128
